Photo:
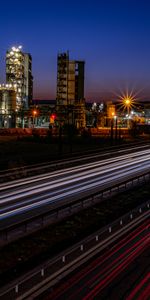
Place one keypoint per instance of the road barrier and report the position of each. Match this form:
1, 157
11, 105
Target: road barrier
68, 207
48, 274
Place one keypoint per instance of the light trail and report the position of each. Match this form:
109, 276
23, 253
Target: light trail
139, 249
70, 179
83, 158
65, 193
145, 282
126, 247
70, 182
71, 170
71, 188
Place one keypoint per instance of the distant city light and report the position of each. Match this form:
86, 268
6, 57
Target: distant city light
34, 113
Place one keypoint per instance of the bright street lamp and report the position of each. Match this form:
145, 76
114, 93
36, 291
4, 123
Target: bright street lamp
34, 116
128, 103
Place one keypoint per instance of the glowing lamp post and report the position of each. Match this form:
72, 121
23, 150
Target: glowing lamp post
34, 116
116, 127
112, 126
127, 104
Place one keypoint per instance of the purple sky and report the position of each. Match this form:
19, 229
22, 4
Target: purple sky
112, 36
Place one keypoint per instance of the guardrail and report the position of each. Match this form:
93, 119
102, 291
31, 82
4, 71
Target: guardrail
61, 209
49, 273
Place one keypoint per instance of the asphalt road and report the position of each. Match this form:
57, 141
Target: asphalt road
110, 249
121, 272
23, 197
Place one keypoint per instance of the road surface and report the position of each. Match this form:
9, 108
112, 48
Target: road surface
121, 272
35, 195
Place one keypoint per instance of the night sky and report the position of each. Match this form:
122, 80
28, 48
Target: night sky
112, 36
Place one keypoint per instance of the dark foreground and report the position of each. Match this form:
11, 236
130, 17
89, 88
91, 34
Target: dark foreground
121, 272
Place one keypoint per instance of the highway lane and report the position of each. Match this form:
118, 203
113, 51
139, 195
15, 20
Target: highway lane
102, 277
68, 188
82, 181
68, 171
34, 283
98, 154
71, 174
141, 289
72, 181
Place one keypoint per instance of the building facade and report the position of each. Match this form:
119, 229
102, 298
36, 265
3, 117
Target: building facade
7, 106
70, 102
70, 80
19, 74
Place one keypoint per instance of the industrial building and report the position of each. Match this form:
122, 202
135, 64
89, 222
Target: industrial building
19, 74
70, 102
7, 106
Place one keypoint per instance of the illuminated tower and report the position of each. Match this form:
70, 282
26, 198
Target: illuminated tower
70, 102
19, 73
70, 80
